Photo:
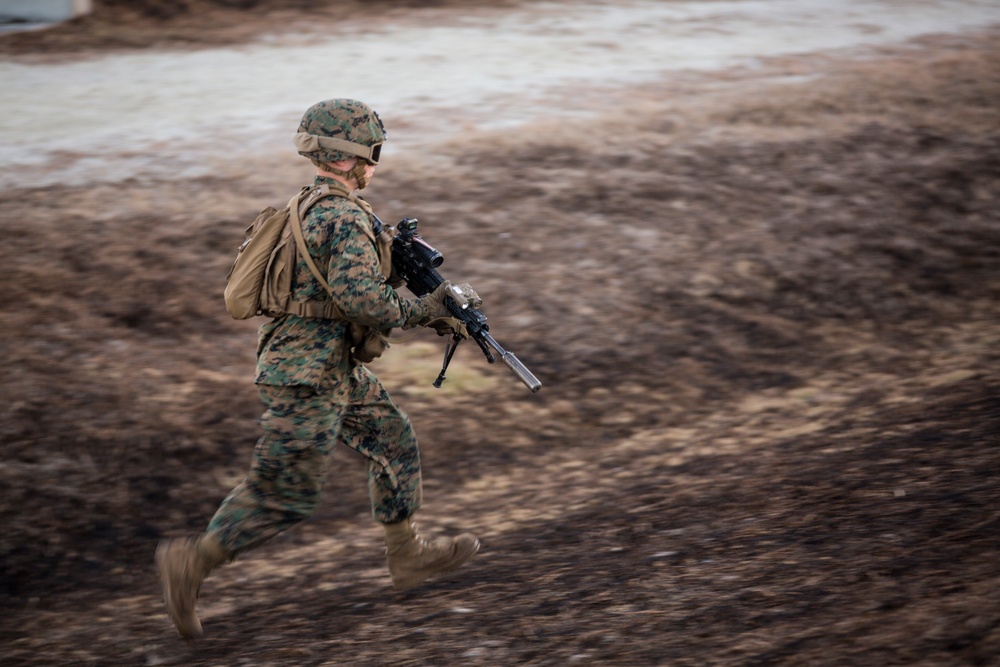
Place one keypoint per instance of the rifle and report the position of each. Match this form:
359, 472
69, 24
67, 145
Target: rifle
415, 261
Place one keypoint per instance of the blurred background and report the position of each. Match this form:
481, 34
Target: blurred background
749, 247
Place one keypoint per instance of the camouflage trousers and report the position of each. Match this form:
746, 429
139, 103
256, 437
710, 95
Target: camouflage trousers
301, 426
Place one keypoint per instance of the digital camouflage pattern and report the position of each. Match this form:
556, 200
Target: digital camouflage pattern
301, 426
341, 119
315, 394
313, 352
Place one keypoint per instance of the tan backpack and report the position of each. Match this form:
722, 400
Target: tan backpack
260, 280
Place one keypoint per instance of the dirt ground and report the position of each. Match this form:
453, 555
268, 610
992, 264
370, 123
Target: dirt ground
768, 331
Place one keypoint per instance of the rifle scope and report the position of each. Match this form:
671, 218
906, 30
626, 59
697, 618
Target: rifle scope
407, 229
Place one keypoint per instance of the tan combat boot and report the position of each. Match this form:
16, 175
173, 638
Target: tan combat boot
412, 559
182, 565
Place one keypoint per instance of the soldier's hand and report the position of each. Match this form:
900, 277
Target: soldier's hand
462, 294
394, 281
448, 326
434, 303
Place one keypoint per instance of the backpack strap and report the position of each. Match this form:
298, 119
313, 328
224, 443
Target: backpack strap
375, 231
298, 207
313, 195
318, 309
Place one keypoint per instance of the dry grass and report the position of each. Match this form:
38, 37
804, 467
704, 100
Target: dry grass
767, 326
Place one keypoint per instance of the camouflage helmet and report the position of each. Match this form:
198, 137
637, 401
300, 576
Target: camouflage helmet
340, 129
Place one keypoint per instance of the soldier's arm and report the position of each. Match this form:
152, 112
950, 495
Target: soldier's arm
358, 285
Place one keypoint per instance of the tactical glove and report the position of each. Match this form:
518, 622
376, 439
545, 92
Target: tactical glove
394, 281
448, 326
462, 294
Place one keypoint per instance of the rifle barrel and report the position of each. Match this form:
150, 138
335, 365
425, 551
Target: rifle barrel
515, 365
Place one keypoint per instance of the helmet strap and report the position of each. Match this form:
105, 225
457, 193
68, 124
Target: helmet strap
358, 172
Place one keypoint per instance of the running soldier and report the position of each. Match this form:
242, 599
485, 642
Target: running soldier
315, 388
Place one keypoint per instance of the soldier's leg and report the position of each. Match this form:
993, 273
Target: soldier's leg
282, 488
288, 471
379, 430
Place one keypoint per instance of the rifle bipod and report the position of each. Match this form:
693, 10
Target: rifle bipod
449, 352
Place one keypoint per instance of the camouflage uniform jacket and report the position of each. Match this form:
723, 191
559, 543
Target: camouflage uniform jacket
315, 352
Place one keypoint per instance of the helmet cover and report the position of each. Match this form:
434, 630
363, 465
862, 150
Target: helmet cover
339, 129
